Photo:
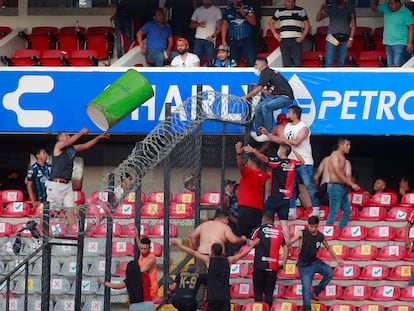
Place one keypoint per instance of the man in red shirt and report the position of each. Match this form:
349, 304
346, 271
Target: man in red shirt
252, 185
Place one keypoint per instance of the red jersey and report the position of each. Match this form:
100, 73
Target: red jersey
252, 184
282, 177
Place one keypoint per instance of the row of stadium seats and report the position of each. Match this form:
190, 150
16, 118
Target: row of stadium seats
349, 271
90, 304
332, 291
362, 59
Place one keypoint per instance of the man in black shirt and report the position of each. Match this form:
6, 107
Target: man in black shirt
276, 94
185, 287
310, 239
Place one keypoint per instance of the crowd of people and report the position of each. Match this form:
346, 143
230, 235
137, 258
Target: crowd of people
238, 28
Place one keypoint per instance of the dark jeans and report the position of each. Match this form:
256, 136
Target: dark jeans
245, 46
184, 303
291, 52
215, 305
263, 284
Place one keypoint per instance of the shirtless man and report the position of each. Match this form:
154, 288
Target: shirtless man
338, 182
214, 231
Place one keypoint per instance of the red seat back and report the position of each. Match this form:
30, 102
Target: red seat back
374, 272
346, 272
381, 233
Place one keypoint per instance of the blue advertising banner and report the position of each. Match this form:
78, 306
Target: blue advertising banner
375, 102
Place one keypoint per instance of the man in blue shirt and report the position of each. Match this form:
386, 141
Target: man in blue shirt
159, 39
236, 31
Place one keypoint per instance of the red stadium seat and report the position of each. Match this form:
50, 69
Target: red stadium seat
400, 236
407, 200
372, 59
279, 290
354, 233
121, 269
381, 233
157, 231
97, 210
372, 213
248, 271
374, 272
362, 39
331, 232
359, 199
407, 293
371, 307
396, 307
83, 58
102, 40
122, 248
342, 307
289, 272
357, 292
156, 248
4, 31
128, 230
401, 273
57, 228
320, 38
250, 255
181, 210
100, 231
54, 58
237, 270
11, 196
16, 209
152, 210
255, 306
157, 197
210, 199
313, 59
234, 306
341, 250
100, 196
125, 211
5, 228
130, 198
71, 39
295, 228
377, 39
79, 197
363, 252
391, 253
284, 306
17, 227
346, 272
386, 292
398, 213
387, 199
41, 38
293, 291
185, 197
331, 291
316, 307
241, 291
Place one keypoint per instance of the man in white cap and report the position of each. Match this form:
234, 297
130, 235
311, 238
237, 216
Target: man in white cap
223, 58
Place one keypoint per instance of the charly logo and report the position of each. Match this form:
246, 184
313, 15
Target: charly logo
304, 99
27, 85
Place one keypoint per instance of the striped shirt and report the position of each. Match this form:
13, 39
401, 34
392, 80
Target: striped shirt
291, 21
239, 27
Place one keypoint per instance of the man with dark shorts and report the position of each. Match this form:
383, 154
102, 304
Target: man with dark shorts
281, 182
252, 186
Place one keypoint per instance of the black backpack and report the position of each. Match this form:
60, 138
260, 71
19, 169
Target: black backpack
31, 226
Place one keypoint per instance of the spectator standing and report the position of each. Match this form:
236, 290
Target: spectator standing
138, 287
310, 239
338, 184
398, 31
276, 94
159, 39
266, 258
37, 175
184, 289
408, 245
281, 181
126, 181
206, 20
123, 22
297, 134
341, 15
236, 31
147, 262
257, 36
251, 192
277, 131
59, 187
184, 58
218, 287
223, 58
294, 27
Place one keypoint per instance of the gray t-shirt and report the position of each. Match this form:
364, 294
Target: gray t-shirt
340, 19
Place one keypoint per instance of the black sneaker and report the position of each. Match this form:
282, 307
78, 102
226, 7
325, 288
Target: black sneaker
314, 296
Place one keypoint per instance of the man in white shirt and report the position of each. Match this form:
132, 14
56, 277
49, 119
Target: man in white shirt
206, 20
184, 58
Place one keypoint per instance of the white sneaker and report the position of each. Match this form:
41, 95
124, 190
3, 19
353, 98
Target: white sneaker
260, 139
315, 212
292, 213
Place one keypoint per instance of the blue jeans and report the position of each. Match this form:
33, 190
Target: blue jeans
122, 24
411, 281
201, 46
306, 173
306, 277
246, 46
396, 55
156, 56
142, 306
291, 52
338, 199
331, 51
263, 114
